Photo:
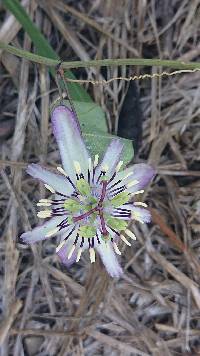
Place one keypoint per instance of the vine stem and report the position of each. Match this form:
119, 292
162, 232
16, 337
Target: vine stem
175, 64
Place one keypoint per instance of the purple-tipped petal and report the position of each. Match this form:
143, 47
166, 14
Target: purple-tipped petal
141, 172
67, 132
109, 259
56, 181
39, 233
111, 157
139, 214
63, 254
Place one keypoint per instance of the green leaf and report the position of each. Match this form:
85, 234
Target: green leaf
43, 48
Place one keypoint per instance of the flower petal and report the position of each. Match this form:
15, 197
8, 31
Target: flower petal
139, 214
40, 232
63, 254
143, 173
57, 182
109, 259
111, 157
67, 132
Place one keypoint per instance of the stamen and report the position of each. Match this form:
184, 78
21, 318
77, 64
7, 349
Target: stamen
44, 214
130, 234
61, 170
96, 160
105, 168
118, 252
89, 164
139, 203
120, 164
45, 201
50, 188
131, 184
80, 250
52, 232
137, 216
122, 237
138, 192
60, 246
43, 204
128, 175
77, 167
92, 255
71, 251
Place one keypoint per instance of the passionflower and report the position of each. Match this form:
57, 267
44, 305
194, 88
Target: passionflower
91, 202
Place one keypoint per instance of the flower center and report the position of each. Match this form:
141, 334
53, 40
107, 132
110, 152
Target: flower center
98, 210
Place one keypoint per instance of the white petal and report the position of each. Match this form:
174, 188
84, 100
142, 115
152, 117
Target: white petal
70, 141
111, 157
109, 259
40, 232
57, 182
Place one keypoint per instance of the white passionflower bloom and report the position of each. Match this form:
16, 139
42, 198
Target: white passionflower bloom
92, 201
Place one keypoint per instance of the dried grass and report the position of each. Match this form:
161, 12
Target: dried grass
154, 308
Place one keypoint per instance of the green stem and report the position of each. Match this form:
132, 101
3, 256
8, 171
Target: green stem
175, 64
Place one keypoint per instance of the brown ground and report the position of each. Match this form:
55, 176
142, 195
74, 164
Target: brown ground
155, 308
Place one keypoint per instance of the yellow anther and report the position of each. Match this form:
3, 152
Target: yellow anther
140, 203
128, 175
44, 214
50, 188
105, 168
71, 252
125, 240
120, 164
62, 171
138, 192
132, 183
96, 160
60, 246
89, 164
130, 234
45, 201
79, 254
92, 255
77, 167
43, 204
116, 248
52, 232
137, 216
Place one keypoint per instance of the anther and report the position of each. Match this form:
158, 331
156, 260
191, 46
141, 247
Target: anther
120, 164
92, 255
96, 160
77, 167
132, 183
60, 246
139, 203
50, 188
52, 232
122, 237
130, 234
80, 250
118, 252
71, 252
138, 192
44, 214
61, 170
